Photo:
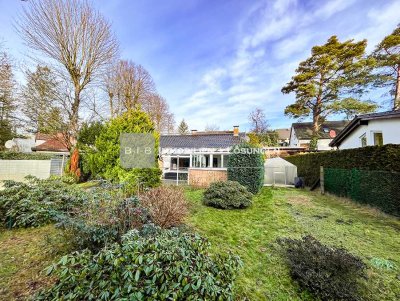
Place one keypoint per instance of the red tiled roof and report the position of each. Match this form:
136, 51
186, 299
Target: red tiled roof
41, 136
52, 145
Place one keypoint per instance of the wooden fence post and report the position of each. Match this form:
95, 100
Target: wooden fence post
321, 179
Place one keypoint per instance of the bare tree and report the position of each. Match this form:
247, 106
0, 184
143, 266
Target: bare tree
259, 123
211, 128
127, 84
76, 37
158, 110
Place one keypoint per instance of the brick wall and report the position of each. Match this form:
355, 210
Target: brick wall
204, 177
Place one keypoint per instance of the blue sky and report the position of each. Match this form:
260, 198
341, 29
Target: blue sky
216, 60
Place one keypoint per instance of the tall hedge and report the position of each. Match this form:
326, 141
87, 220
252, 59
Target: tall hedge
246, 166
384, 158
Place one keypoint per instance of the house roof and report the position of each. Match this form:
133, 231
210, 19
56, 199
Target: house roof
201, 140
51, 145
283, 134
362, 120
42, 136
328, 129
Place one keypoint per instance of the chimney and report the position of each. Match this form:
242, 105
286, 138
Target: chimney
194, 132
236, 130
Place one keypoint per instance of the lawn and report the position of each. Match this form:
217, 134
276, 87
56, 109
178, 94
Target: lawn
252, 234
24, 255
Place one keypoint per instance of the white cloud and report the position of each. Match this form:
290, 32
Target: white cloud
274, 38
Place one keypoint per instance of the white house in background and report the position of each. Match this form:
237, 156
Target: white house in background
301, 134
370, 129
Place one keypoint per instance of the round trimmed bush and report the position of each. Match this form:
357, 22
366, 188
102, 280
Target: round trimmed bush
162, 265
246, 166
227, 195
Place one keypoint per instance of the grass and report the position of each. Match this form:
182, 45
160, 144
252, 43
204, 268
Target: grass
252, 234
24, 255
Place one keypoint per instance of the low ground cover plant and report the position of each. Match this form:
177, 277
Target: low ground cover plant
227, 195
328, 273
37, 202
161, 265
166, 205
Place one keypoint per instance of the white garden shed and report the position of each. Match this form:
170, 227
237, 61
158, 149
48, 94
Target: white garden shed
278, 171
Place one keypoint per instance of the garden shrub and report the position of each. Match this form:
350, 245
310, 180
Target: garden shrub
102, 221
163, 265
37, 202
328, 273
105, 159
167, 206
246, 166
227, 195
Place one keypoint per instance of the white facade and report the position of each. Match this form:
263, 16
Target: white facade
370, 133
322, 144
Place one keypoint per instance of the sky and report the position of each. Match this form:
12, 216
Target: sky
215, 61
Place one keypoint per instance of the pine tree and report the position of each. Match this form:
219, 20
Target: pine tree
324, 82
39, 97
387, 56
183, 128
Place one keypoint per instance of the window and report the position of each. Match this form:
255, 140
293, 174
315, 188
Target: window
378, 138
201, 161
363, 140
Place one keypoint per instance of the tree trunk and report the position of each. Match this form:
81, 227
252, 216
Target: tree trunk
316, 117
396, 104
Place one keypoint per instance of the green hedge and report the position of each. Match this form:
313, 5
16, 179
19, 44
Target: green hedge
376, 188
25, 156
383, 158
246, 166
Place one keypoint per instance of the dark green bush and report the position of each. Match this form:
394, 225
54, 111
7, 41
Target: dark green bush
163, 265
246, 166
37, 202
24, 156
102, 221
227, 195
383, 158
328, 273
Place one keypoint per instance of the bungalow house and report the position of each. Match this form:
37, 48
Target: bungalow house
301, 134
370, 129
198, 158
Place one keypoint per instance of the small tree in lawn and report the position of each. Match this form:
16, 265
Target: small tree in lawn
387, 55
326, 82
105, 161
246, 166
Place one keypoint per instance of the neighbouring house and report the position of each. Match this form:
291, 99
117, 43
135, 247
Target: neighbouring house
49, 143
370, 129
301, 134
283, 136
198, 158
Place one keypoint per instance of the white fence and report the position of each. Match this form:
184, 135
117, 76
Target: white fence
17, 170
